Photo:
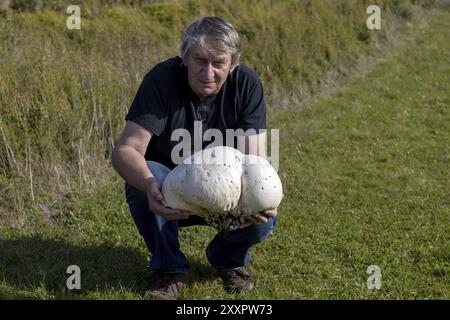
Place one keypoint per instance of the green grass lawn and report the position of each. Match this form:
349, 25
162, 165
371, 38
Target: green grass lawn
365, 177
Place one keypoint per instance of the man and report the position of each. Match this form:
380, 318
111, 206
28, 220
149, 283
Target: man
206, 84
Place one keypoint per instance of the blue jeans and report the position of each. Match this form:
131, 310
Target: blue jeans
228, 249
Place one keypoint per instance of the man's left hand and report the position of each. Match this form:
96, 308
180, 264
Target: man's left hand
260, 217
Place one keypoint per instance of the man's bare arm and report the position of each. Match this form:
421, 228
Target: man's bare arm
128, 158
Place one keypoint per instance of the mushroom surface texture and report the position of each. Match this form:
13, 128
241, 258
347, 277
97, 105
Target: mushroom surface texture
222, 181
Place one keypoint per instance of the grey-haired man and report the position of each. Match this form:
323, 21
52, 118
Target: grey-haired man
208, 84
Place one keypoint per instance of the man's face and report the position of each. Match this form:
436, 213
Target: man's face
206, 72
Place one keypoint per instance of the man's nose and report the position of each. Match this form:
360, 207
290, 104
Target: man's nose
207, 71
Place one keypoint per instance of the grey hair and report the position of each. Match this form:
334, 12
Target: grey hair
213, 35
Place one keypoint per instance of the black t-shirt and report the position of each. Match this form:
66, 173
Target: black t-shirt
165, 102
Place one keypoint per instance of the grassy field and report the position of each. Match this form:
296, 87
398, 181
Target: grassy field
365, 176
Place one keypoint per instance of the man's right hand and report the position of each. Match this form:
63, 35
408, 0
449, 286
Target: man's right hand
155, 197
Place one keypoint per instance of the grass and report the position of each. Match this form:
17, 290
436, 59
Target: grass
365, 175
366, 178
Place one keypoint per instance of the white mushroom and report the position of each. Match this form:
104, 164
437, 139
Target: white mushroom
261, 186
222, 181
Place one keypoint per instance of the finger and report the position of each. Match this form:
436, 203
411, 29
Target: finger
156, 195
271, 213
169, 213
254, 219
245, 225
160, 209
262, 219
176, 216
180, 216
259, 218
155, 192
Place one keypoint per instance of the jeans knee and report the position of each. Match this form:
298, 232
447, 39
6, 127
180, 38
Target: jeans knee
158, 170
263, 231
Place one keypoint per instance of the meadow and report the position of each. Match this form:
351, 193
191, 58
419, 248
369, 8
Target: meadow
364, 130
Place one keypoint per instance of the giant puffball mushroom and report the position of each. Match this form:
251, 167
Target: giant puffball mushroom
222, 181
260, 186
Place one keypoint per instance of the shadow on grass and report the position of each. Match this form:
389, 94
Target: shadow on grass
34, 263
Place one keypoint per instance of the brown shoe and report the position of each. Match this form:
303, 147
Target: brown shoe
166, 286
236, 280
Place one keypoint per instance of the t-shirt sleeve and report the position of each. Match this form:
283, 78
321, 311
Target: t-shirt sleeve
253, 114
149, 108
